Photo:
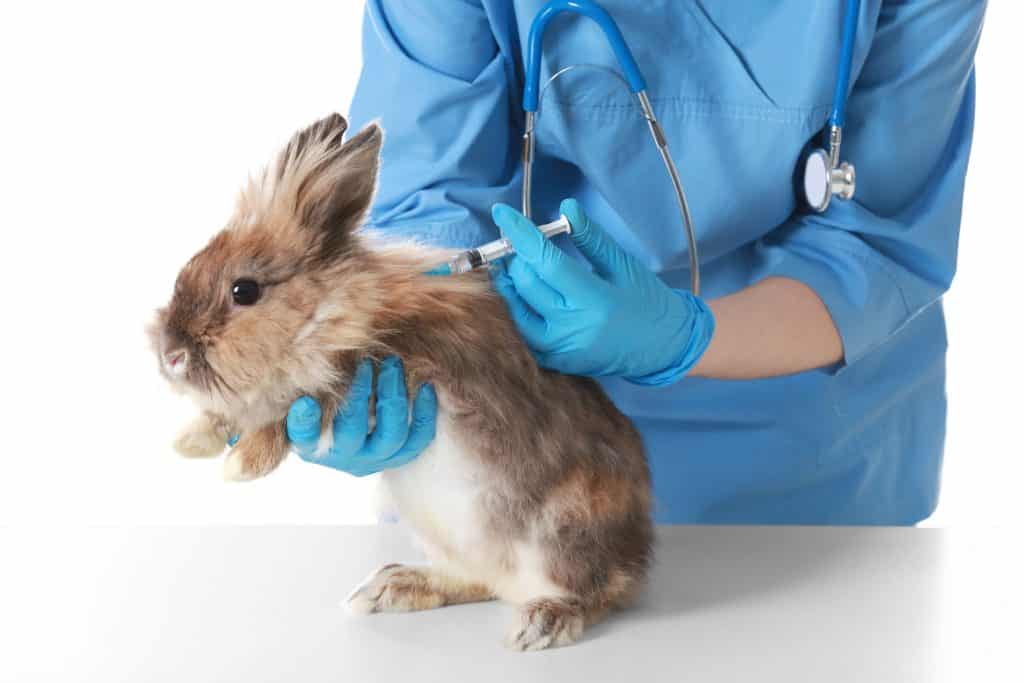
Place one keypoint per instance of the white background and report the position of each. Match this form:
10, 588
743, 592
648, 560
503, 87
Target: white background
125, 131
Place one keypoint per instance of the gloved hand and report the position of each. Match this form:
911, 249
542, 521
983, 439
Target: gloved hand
618, 319
395, 439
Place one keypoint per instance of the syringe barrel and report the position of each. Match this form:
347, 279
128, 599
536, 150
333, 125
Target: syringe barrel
471, 259
492, 251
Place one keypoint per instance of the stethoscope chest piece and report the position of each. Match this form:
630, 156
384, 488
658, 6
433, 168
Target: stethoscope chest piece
822, 179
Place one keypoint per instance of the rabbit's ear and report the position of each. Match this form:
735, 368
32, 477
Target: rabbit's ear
332, 181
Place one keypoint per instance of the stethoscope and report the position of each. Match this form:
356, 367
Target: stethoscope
824, 175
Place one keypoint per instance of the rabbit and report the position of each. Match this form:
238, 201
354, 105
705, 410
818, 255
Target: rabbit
535, 490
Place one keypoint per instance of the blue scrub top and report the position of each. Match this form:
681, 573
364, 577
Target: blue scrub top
741, 88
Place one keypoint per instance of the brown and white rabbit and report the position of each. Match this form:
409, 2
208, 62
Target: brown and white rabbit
536, 488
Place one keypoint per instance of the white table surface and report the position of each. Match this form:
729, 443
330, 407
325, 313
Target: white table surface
247, 604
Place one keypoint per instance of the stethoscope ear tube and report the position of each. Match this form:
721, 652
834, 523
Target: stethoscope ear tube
535, 46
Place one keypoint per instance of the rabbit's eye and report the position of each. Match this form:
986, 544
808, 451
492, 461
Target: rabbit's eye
245, 292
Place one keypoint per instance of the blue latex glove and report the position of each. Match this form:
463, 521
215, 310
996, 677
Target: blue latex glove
395, 439
618, 319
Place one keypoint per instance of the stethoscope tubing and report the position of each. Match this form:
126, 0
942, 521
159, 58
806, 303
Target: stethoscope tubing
837, 118
638, 86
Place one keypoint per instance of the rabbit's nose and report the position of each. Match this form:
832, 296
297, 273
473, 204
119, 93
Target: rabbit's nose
176, 362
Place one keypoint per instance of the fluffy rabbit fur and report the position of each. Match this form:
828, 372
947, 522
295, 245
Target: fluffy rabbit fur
535, 490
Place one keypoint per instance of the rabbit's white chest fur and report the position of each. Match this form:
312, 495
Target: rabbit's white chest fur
440, 495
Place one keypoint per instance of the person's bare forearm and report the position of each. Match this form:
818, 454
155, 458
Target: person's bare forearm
776, 327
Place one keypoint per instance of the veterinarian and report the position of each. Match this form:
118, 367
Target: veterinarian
807, 384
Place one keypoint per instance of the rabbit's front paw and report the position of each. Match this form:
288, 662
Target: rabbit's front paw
544, 623
237, 467
395, 588
256, 454
204, 437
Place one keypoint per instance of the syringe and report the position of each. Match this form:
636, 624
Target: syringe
471, 259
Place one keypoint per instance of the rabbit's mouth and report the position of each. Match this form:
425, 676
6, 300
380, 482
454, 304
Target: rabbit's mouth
186, 368
179, 362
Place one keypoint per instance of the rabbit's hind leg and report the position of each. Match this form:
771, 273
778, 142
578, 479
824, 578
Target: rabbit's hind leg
593, 556
405, 588
547, 622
